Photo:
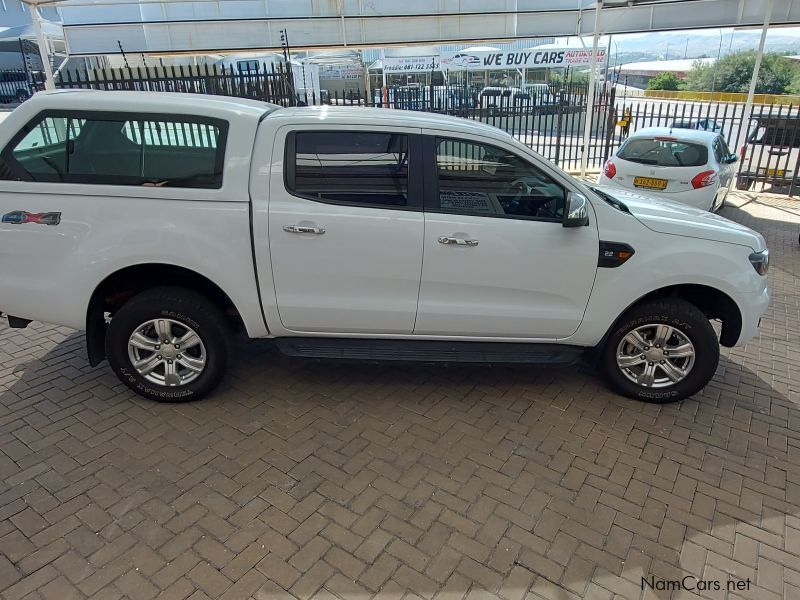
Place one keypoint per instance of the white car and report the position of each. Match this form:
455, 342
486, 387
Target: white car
164, 223
688, 166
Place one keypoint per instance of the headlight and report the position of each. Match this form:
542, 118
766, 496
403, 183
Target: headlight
760, 262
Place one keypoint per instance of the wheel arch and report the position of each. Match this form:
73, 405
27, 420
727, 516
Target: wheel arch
121, 285
714, 303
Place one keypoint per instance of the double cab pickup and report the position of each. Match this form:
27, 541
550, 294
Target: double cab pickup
163, 224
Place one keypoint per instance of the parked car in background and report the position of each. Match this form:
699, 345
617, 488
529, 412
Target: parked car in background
539, 93
496, 98
771, 153
14, 86
164, 223
691, 167
703, 124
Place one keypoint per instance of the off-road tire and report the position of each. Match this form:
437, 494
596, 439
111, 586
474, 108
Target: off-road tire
691, 322
184, 306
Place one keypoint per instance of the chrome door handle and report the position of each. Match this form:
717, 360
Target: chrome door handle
303, 229
457, 241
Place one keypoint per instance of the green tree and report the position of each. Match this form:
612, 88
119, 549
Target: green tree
732, 73
794, 88
665, 81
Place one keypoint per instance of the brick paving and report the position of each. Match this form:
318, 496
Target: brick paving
305, 479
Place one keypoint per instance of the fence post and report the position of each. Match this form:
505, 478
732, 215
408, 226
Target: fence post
611, 112
559, 125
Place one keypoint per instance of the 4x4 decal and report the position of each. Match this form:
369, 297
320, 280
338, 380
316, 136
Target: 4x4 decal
18, 217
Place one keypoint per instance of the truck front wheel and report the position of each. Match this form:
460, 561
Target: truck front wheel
661, 351
169, 344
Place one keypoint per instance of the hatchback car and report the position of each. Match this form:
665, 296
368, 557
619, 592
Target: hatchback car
689, 166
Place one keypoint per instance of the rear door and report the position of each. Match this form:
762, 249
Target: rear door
346, 228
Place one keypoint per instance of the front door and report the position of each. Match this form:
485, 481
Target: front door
346, 228
497, 261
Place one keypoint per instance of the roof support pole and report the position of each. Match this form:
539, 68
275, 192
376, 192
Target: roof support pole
42, 43
748, 105
587, 129
759, 55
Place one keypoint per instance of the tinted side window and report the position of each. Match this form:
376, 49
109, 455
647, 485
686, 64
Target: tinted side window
101, 149
480, 179
350, 167
717, 148
42, 151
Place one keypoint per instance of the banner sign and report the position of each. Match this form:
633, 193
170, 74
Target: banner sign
341, 72
410, 64
519, 59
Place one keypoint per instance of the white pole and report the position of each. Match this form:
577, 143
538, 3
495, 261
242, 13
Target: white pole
587, 130
748, 106
759, 55
40, 41
383, 66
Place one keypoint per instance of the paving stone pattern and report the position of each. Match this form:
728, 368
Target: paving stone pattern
302, 479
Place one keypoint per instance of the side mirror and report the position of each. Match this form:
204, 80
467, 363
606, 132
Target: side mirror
576, 213
731, 158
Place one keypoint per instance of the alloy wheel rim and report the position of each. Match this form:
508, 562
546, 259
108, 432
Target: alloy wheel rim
167, 352
655, 355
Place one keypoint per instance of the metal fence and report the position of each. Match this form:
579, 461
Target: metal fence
548, 118
268, 83
17, 85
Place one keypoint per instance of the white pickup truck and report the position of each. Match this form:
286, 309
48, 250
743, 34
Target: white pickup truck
162, 224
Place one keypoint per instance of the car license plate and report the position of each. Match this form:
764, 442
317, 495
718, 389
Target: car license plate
776, 172
650, 183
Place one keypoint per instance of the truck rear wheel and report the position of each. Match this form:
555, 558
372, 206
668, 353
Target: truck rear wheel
169, 344
661, 351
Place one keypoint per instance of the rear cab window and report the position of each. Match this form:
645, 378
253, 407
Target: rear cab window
663, 152
118, 149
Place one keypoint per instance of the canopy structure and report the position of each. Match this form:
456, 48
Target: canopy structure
94, 27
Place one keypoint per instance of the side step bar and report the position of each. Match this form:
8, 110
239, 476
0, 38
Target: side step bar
429, 351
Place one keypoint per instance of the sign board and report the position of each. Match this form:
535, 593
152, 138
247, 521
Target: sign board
348, 72
519, 59
410, 64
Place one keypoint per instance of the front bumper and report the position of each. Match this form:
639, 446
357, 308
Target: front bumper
754, 307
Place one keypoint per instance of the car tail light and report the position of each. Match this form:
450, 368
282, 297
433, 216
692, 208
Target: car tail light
704, 179
610, 169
